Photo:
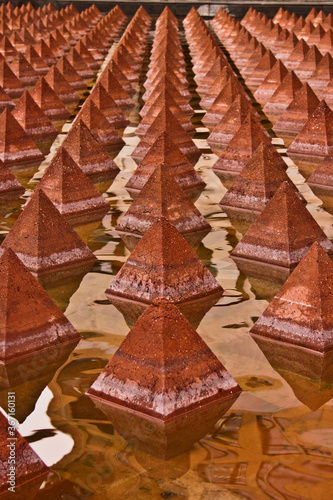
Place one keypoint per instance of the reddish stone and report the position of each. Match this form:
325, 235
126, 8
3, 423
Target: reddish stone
326, 43
283, 96
88, 154
24, 71
165, 86
17, 149
45, 242
261, 70
225, 130
31, 321
321, 181
316, 137
306, 67
253, 61
257, 183
299, 25
281, 236
215, 89
301, 312
33, 120
86, 56
109, 107
312, 15
49, 102
241, 147
215, 69
120, 77
62, 88
102, 130
45, 53
17, 41
53, 46
322, 75
5, 101
29, 467
163, 196
272, 81
72, 77
124, 66
10, 188
297, 55
155, 368
165, 152
165, 121
36, 61
316, 35
163, 264
80, 66
288, 47
71, 191
7, 50
306, 31
172, 77
9, 82
297, 114
246, 54
117, 92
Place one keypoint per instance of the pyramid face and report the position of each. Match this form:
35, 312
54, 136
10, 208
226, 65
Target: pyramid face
48, 101
165, 151
29, 319
9, 82
10, 188
60, 85
221, 104
298, 54
283, 232
88, 153
68, 72
5, 100
110, 109
23, 70
71, 191
301, 313
151, 375
28, 464
316, 137
163, 265
43, 240
117, 92
218, 84
162, 196
274, 78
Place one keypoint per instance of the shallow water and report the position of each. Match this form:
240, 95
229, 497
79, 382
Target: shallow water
276, 441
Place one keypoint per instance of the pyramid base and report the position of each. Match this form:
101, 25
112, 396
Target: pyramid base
262, 270
59, 275
193, 192
241, 214
286, 136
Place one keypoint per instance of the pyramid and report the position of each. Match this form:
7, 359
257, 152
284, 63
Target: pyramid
310, 62
45, 53
110, 109
72, 77
102, 130
165, 121
163, 264
214, 90
316, 35
5, 101
283, 96
287, 48
7, 50
326, 43
10, 188
166, 86
170, 372
117, 92
322, 75
48, 101
31, 321
316, 137
297, 113
321, 181
297, 55
33, 120
262, 69
225, 130
120, 77
88, 154
253, 61
241, 147
221, 104
36, 61
9, 82
171, 77
28, 466
282, 234
306, 31
80, 66
17, 149
44, 241
162, 196
165, 152
71, 191
62, 88
301, 312
24, 71
86, 56
257, 183
272, 81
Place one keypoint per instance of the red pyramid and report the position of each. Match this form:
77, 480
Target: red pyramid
316, 35
29, 320
297, 55
301, 312
71, 191
221, 104
103, 131
88, 154
272, 81
9, 82
214, 90
283, 96
32, 119
62, 88
72, 77
24, 71
10, 188
49, 102
322, 75
321, 181
261, 70
45, 53
17, 149
166, 122
257, 183
282, 234
316, 137
162, 196
120, 77
165, 85
7, 50
163, 265
241, 147
117, 92
288, 47
326, 43
5, 101
44, 241
297, 114
36, 61
86, 56
80, 66
29, 467
172, 372
165, 152
306, 67
110, 109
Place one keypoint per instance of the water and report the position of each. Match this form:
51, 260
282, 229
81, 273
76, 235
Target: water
276, 441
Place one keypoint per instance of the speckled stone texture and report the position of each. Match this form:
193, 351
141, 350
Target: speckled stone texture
71, 75
302, 311
9, 82
10, 188
115, 89
321, 181
24, 71
282, 97
108, 106
49, 102
163, 264
267, 88
166, 373
306, 67
62, 88
5, 101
